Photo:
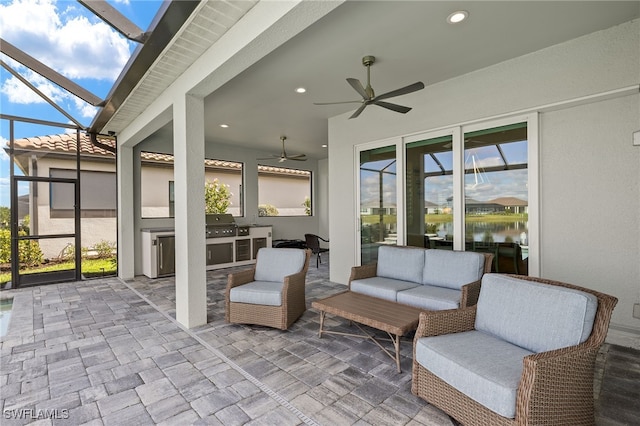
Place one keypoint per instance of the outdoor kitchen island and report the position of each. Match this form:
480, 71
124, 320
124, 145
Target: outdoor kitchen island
227, 244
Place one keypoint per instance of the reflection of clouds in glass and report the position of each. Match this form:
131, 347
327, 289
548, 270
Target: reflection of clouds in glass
511, 183
438, 189
370, 189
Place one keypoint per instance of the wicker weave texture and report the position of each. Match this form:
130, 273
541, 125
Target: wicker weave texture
556, 387
292, 307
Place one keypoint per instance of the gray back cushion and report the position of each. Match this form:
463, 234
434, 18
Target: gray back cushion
401, 263
535, 316
452, 269
273, 264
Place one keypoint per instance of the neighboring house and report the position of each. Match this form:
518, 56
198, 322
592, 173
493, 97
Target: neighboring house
497, 205
50, 207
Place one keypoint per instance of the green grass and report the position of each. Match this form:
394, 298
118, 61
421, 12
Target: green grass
446, 218
90, 268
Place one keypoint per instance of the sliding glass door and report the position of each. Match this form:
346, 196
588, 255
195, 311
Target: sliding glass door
378, 201
496, 195
430, 192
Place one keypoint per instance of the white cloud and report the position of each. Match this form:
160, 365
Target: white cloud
86, 110
3, 154
70, 43
20, 93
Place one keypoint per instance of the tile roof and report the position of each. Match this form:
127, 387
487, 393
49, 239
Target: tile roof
64, 143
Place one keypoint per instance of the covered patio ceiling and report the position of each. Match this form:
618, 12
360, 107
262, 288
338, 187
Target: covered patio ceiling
411, 42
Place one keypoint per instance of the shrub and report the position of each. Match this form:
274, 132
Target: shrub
267, 210
29, 253
5, 246
217, 197
104, 249
307, 206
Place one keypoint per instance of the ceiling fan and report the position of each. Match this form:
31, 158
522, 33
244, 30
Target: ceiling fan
369, 97
283, 155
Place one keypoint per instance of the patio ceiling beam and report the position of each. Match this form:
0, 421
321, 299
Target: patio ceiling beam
115, 19
35, 65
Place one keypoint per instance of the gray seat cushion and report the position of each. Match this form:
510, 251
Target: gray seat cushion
430, 297
258, 293
274, 264
481, 366
401, 263
452, 269
538, 317
381, 287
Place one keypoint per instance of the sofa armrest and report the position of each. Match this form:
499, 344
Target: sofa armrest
554, 380
435, 323
470, 294
361, 272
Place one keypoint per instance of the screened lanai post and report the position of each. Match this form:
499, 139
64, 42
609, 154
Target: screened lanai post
190, 258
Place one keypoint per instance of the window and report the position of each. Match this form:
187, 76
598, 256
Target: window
469, 190
496, 195
429, 177
284, 192
157, 183
97, 193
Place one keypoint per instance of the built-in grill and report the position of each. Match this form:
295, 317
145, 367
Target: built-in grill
223, 225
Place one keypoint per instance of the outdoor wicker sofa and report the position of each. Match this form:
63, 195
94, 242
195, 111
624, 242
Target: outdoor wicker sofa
524, 355
423, 278
272, 293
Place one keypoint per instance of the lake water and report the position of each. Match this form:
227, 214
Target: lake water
497, 232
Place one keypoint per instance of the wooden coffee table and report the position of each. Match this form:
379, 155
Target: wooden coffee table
393, 318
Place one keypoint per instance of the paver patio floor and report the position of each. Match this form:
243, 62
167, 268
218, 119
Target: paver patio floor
104, 352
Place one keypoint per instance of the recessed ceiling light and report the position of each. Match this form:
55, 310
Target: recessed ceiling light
224, 126
324, 145
457, 16
301, 90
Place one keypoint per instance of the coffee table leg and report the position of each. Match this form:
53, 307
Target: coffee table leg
396, 344
322, 313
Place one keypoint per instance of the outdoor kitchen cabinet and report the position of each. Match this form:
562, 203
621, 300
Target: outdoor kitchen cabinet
158, 249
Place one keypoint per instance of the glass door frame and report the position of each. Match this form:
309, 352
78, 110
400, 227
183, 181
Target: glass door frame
533, 167
458, 179
358, 149
457, 132
17, 280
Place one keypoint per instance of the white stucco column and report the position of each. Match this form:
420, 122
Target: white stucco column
188, 151
126, 240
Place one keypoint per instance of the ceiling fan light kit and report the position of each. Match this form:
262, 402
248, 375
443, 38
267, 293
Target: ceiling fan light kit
368, 95
282, 157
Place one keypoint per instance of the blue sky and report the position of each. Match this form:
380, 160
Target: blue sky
67, 37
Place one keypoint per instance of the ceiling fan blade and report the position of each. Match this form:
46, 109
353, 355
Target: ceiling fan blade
402, 91
358, 111
393, 107
296, 158
335, 103
355, 83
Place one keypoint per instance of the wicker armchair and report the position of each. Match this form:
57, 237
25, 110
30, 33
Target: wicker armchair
272, 293
555, 388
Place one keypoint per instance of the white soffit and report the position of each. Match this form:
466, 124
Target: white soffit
206, 25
